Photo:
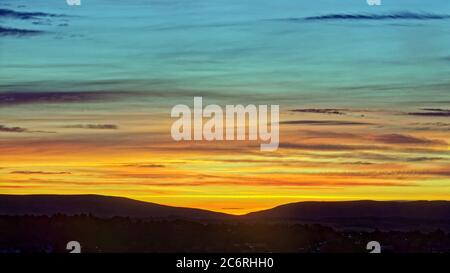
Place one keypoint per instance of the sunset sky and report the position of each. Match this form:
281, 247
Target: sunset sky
364, 93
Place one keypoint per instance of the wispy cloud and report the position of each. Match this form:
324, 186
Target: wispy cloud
12, 129
383, 138
431, 126
94, 126
324, 122
25, 15
5, 31
328, 134
330, 111
138, 165
17, 129
55, 97
327, 147
434, 112
389, 16
406, 139
38, 172
437, 124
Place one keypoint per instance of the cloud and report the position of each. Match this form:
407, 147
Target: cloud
38, 172
16, 129
424, 159
328, 134
46, 22
324, 122
145, 165
437, 86
94, 126
54, 97
12, 129
384, 138
331, 111
327, 147
232, 208
4, 31
437, 124
434, 112
391, 174
405, 139
9, 13
431, 126
378, 17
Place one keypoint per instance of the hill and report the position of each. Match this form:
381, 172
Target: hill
348, 215
97, 205
387, 215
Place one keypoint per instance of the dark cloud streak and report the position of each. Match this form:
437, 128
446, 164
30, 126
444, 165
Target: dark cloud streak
405, 139
330, 111
94, 126
434, 112
324, 122
377, 17
23, 15
11, 98
5, 31
16, 129
12, 129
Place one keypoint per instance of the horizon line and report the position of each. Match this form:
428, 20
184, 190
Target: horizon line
226, 213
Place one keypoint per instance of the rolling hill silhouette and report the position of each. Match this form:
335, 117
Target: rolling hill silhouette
363, 215
97, 205
343, 214
429, 210
45, 223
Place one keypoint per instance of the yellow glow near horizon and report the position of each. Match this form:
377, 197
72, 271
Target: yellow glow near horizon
326, 163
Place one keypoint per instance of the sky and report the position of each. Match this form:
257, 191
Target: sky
364, 93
